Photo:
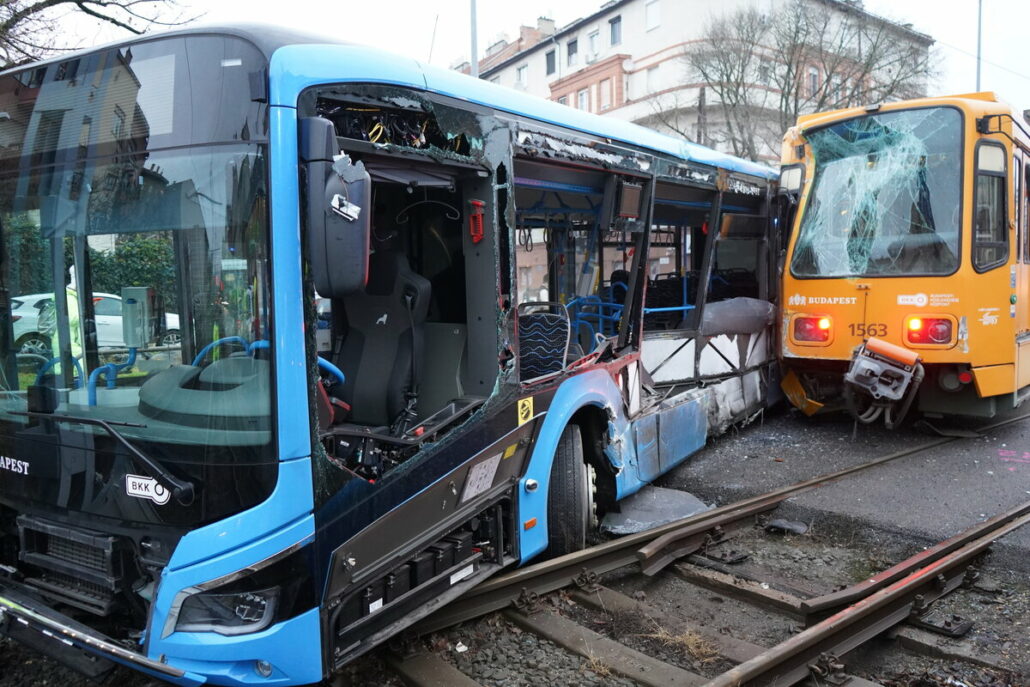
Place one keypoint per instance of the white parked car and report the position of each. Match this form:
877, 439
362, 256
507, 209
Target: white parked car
107, 307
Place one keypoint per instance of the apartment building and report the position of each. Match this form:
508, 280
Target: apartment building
627, 60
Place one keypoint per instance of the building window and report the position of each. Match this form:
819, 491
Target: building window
564, 100
593, 41
521, 75
652, 14
583, 99
615, 27
552, 61
813, 81
604, 94
651, 85
764, 72
571, 50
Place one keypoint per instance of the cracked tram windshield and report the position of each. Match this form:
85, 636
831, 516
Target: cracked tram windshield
885, 196
134, 286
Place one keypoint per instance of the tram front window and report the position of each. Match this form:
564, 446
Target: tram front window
885, 196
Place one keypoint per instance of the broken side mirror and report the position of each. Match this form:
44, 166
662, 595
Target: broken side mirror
337, 211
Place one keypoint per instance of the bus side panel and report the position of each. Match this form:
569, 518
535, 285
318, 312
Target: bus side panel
597, 388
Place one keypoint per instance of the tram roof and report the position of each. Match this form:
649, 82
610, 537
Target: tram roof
269, 39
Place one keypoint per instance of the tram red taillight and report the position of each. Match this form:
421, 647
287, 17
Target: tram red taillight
929, 330
817, 328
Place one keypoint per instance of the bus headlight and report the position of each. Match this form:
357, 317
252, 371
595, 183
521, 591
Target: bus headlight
248, 600
228, 614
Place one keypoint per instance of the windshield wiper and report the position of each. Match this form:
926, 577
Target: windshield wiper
183, 491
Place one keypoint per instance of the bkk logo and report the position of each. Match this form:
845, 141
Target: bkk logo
18, 467
917, 299
146, 488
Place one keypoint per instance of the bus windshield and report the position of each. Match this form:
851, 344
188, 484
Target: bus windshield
884, 197
134, 283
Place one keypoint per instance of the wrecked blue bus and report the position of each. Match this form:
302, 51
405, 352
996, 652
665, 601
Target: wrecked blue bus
300, 341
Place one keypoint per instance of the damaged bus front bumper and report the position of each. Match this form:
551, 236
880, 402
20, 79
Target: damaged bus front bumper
29, 621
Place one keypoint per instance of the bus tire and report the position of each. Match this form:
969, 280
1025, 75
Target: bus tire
569, 496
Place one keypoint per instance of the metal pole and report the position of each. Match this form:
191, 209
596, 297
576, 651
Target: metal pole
474, 62
979, 37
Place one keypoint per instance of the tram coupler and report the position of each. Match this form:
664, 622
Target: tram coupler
886, 374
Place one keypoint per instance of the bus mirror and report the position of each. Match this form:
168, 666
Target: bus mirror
337, 212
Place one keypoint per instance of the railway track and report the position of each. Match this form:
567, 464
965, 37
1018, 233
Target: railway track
828, 625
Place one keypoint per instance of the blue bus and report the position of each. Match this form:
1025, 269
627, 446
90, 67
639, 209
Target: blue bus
300, 341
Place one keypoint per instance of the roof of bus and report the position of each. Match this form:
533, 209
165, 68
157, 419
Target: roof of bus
268, 39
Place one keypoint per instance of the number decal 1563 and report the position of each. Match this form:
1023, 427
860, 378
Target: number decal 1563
868, 329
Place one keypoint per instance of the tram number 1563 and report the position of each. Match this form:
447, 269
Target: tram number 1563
868, 329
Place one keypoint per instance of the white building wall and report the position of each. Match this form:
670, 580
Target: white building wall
654, 75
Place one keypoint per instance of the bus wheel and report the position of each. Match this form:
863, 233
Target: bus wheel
569, 497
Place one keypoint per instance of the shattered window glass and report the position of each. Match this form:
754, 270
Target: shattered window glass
885, 198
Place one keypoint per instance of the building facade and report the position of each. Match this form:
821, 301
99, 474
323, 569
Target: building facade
628, 60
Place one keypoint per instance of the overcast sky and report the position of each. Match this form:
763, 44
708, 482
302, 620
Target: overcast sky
408, 27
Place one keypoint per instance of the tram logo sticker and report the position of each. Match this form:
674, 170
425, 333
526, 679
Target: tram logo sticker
525, 410
796, 299
917, 299
146, 488
988, 316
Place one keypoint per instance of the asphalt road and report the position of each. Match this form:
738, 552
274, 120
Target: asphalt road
924, 497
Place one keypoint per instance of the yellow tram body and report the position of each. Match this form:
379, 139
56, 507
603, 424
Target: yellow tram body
906, 281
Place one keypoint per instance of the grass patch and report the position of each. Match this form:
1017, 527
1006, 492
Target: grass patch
698, 647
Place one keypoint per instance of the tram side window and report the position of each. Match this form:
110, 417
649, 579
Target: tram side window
1025, 215
1017, 195
990, 244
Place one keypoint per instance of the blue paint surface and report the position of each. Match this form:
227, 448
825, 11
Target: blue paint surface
593, 388
293, 646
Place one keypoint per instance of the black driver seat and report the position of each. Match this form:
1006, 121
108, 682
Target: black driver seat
382, 352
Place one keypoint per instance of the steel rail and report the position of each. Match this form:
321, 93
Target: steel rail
677, 539
791, 661
828, 604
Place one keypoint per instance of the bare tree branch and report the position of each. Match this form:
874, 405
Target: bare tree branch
766, 68
27, 27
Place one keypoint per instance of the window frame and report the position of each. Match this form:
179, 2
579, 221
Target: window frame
551, 62
977, 174
615, 30
652, 15
572, 52
581, 95
1025, 201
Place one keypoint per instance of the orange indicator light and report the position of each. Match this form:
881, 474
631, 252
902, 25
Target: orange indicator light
915, 324
824, 323
529, 524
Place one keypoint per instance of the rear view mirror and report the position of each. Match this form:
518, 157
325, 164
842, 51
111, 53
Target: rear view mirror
337, 212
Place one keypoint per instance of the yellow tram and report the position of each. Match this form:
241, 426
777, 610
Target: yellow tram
906, 281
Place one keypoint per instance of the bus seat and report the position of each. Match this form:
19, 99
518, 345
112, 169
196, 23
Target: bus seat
383, 350
446, 345
544, 340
